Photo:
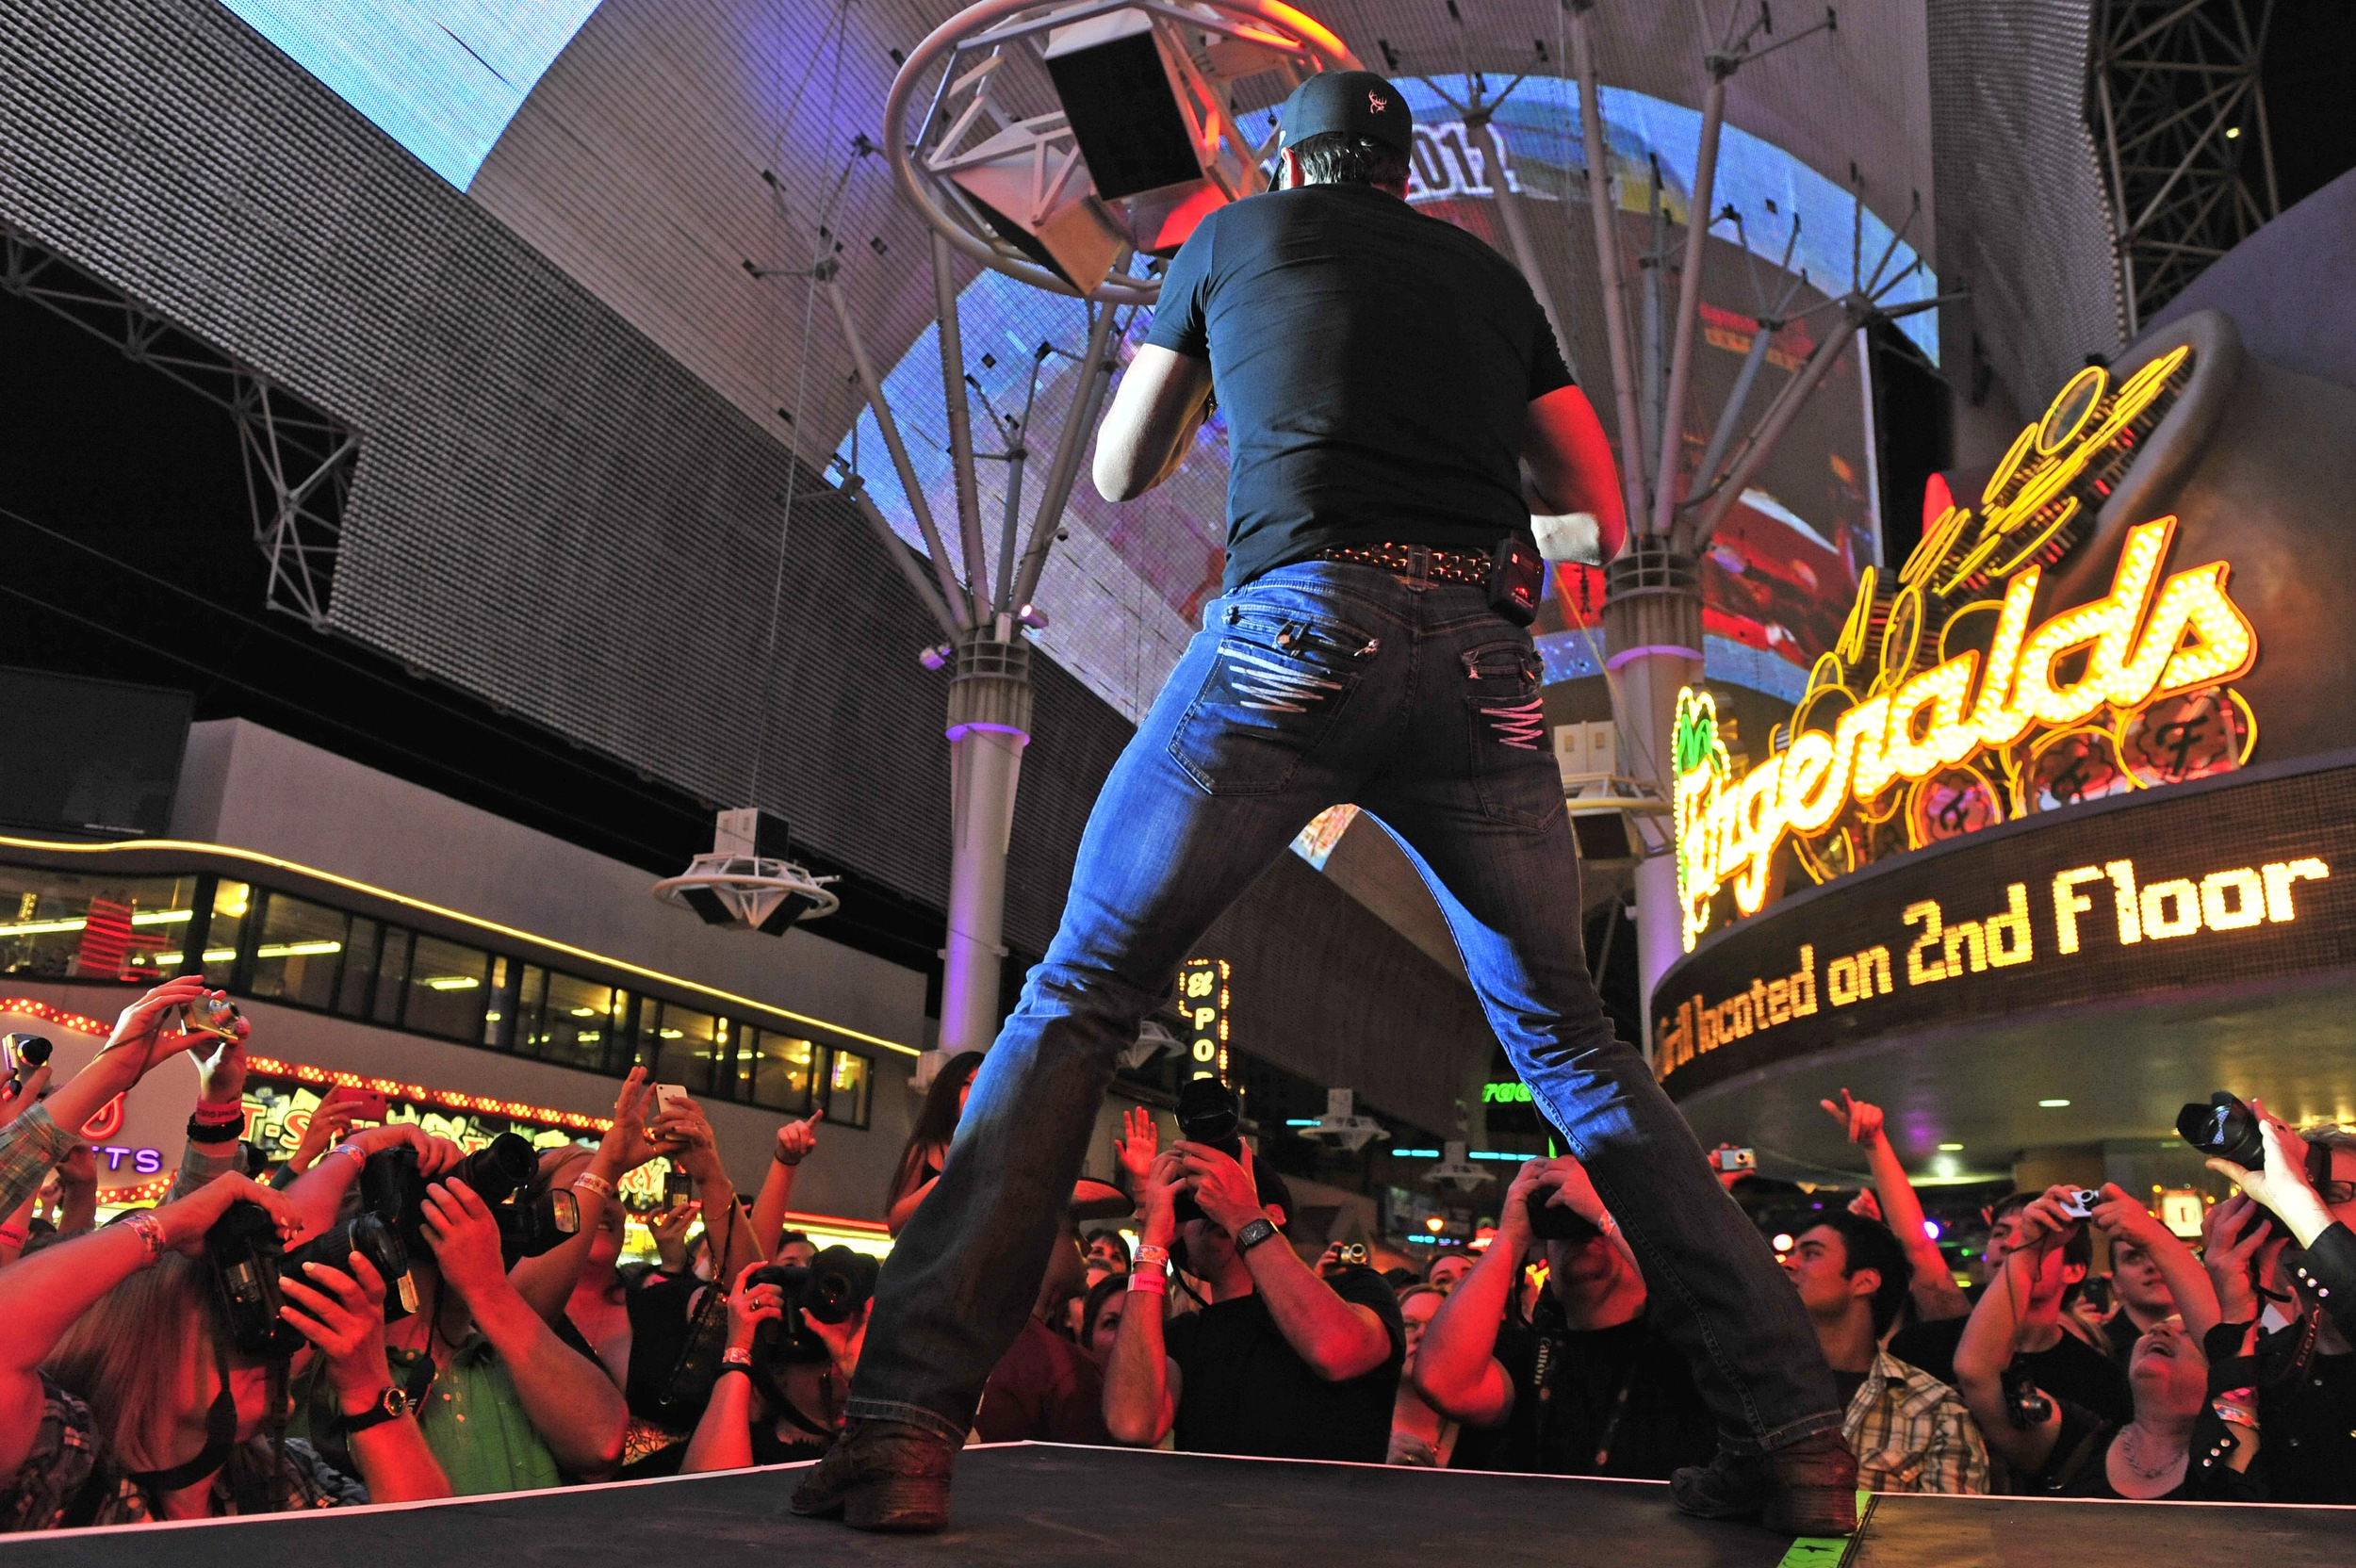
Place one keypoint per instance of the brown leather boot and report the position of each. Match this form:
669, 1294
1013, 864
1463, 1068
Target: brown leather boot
881, 1475
1815, 1487
1808, 1487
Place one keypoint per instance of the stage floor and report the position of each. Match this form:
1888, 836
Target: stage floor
1041, 1506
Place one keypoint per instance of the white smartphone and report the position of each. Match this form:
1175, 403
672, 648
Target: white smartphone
669, 1098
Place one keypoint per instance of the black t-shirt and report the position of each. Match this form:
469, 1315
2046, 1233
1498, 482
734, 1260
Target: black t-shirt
1624, 1390
2308, 1417
2072, 1370
1246, 1391
1375, 368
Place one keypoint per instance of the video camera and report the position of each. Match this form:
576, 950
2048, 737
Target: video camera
1208, 1113
837, 1283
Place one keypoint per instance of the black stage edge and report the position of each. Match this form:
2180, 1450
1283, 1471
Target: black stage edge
1028, 1505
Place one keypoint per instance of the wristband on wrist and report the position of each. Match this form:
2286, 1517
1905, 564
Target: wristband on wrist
219, 1115
594, 1183
1151, 1280
736, 1355
151, 1230
14, 1235
1151, 1256
729, 1367
201, 1131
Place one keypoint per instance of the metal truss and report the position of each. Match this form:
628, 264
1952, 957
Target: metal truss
298, 463
2179, 113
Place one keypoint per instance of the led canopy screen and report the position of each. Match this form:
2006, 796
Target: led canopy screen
442, 77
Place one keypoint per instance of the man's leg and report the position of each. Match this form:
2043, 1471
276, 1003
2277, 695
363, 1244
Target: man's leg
1163, 856
1486, 829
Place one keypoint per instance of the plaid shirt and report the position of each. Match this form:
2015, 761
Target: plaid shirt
30, 1147
67, 1457
1911, 1432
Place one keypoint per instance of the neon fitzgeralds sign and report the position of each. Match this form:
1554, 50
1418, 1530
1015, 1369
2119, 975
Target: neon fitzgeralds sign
1941, 684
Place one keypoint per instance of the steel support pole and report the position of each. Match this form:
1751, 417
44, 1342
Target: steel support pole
1603, 210
1517, 232
1652, 616
1664, 493
902, 557
961, 427
990, 724
1785, 409
952, 592
1078, 420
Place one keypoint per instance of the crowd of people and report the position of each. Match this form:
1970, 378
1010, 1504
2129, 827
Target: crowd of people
447, 1337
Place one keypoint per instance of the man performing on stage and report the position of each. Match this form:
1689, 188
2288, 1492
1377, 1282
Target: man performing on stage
1396, 411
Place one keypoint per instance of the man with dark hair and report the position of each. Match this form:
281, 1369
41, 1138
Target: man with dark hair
1909, 1431
2061, 1363
1285, 1362
1398, 412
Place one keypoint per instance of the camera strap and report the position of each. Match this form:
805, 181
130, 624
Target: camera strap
221, 1440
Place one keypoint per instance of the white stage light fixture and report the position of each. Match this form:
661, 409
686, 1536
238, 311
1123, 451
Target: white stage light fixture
1341, 1124
746, 880
1456, 1171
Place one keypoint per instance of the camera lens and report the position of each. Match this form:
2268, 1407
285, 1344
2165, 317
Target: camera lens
1208, 1113
1551, 1221
496, 1170
2224, 1128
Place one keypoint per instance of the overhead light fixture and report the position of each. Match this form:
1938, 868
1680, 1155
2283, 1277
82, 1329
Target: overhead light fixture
746, 880
2051, 1105
1342, 1125
1456, 1171
1951, 1148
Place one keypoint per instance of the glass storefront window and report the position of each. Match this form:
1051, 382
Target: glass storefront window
232, 903
774, 1070
499, 1013
847, 1077
358, 981
685, 1047
56, 925
299, 953
392, 976
446, 990
579, 1020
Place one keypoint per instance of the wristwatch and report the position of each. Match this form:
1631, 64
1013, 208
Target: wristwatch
391, 1405
1254, 1233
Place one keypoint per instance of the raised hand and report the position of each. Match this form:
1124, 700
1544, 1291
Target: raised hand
798, 1140
1859, 1118
343, 1315
186, 1221
1136, 1148
749, 1308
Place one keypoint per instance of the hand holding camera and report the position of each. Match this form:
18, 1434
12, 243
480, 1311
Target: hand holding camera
186, 1222
465, 1237
752, 1304
1220, 1186
1157, 1198
155, 1026
2238, 1247
341, 1312
2263, 1157
221, 1074
682, 1132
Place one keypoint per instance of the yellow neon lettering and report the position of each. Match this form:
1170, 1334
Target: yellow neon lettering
2123, 876
2009, 938
2159, 924
1995, 719
1840, 981
2278, 877
1812, 790
2104, 627
2248, 904
2069, 904
1937, 692
1962, 936
1924, 914
1873, 970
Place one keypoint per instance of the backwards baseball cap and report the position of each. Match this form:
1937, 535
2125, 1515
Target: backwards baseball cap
1357, 101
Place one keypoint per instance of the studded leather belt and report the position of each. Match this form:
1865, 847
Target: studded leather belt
1469, 567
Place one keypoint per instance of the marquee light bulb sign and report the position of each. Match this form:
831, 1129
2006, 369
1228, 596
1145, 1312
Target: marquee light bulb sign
1943, 709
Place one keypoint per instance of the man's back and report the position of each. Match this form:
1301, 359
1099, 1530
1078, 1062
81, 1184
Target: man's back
1375, 368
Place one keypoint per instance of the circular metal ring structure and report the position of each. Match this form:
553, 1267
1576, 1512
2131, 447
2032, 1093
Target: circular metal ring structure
978, 71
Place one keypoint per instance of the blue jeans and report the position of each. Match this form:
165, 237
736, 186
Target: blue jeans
1316, 684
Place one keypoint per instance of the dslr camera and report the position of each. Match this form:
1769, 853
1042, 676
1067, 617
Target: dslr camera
502, 1173
1208, 1113
248, 1261
2224, 1129
1552, 1222
837, 1283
